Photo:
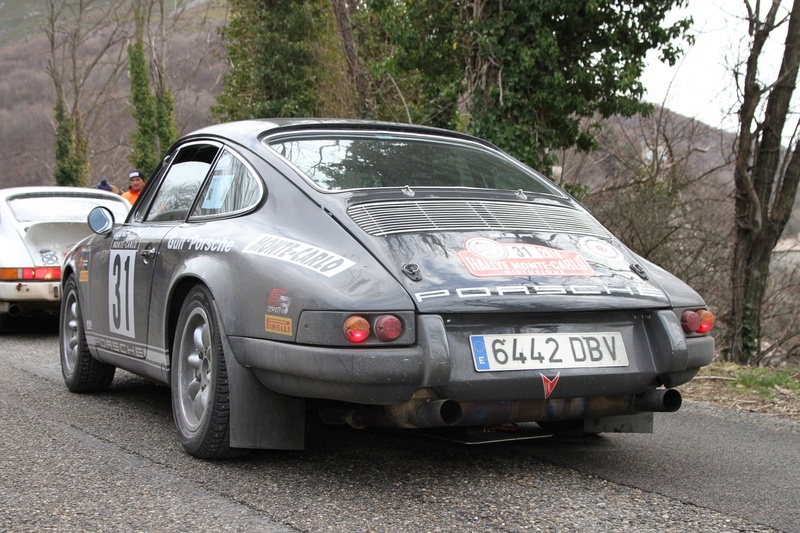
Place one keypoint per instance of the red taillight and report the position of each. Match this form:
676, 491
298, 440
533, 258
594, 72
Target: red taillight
356, 329
699, 321
48, 273
707, 321
388, 327
30, 274
690, 321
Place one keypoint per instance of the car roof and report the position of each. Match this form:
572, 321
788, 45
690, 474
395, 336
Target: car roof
245, 132
54, 190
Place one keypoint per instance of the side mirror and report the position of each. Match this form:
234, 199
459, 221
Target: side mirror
101, 220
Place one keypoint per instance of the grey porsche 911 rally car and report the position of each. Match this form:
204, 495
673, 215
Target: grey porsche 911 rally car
379, 275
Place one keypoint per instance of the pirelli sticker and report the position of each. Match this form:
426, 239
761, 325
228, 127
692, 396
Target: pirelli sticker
299, 253
488, 258
280, 325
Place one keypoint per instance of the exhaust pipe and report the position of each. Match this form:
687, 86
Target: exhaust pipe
657, 401
14, 310
410, 415
431, 413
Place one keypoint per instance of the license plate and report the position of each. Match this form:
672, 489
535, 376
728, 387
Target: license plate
493, 353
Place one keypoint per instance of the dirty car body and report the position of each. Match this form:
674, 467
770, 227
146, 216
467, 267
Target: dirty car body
378, 275
38, 225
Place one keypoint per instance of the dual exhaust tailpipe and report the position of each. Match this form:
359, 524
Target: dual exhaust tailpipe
432, 413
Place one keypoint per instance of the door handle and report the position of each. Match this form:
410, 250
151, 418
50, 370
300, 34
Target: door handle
148, 253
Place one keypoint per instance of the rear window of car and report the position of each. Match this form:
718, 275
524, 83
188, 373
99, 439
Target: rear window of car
335, 163
41, 208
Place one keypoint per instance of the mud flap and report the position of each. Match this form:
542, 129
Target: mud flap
260, 418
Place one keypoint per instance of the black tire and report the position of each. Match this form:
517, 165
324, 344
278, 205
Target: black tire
199, 380
81, 371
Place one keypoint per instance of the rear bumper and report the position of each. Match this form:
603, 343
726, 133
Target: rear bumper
369, 376
24, 297
441, 361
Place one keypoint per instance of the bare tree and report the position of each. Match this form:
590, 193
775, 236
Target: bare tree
658, 183
781, 310
166, 22
766, 175
88, 65
86, 61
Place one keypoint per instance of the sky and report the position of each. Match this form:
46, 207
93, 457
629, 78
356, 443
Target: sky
701, 84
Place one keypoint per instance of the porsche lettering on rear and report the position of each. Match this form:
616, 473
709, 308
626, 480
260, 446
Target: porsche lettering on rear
533, 290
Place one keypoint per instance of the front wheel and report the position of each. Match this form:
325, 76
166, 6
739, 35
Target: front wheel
81, 371
199, 380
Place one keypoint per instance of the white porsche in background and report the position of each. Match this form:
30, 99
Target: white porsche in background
38, 226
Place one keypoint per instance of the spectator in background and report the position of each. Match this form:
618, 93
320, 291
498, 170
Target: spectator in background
136, 183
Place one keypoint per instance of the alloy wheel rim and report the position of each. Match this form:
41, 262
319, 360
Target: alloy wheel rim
195, 366
71, 334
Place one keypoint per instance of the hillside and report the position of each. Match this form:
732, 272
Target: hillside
27, 95
19, 20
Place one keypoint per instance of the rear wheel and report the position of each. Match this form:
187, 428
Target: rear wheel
81, 371
199, 380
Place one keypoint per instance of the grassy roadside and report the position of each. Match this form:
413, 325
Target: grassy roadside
752, 389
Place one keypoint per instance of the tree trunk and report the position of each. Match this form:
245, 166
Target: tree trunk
759, 220
751, 260
357, 70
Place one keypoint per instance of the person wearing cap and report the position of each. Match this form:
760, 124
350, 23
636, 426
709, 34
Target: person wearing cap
136, 183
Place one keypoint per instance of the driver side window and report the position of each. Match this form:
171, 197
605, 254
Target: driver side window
179, 187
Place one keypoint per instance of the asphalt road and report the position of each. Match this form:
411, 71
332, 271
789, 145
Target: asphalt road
112, 462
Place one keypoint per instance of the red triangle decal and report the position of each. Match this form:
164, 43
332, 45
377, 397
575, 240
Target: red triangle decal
549, 384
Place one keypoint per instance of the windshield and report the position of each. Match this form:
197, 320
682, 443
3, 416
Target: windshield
336, 163
42, 208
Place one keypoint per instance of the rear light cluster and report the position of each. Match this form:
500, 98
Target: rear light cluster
386, 328
697, 321
30, 274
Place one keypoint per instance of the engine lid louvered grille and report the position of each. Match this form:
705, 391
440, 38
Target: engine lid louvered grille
390, 218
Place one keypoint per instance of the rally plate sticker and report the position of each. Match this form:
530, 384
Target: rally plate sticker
546, 351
